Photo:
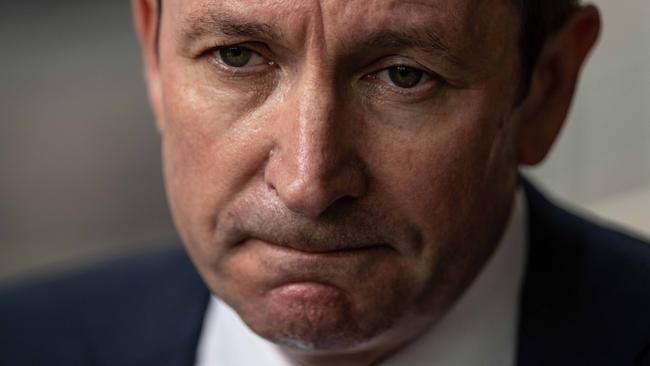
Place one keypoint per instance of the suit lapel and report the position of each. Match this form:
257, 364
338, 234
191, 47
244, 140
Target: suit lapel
584, 300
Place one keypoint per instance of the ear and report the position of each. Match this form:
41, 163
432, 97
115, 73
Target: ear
145, 20
542, 114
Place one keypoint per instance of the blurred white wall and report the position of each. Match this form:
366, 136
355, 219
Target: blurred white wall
79, 163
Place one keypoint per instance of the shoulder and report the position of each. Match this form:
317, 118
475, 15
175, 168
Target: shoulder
96, 288
65, 318
586, 289
584, 245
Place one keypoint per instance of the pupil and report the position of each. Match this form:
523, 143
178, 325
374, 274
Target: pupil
404, 76
235, 56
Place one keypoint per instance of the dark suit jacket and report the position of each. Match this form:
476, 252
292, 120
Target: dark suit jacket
586, 301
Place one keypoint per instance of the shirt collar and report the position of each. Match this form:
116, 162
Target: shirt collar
479, 329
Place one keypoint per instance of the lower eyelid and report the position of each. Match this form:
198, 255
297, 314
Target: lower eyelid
426, 77
381, 89
215, 55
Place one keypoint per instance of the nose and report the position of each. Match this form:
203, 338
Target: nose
313, 163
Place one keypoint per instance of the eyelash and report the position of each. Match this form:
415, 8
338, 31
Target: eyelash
213, 54
431, 78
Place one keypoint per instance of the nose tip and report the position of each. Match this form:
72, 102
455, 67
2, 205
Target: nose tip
306, 198
310, 193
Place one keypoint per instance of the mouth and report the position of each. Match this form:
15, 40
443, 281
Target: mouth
310, 273
326, 251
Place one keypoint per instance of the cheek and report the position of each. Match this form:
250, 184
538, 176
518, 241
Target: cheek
211, 147
437, 175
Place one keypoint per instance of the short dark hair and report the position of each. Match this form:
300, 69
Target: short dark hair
539, 20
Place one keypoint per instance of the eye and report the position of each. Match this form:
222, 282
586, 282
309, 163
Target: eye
404, 77
238, 56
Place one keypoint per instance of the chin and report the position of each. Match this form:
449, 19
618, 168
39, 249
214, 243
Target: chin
315, 317
301, 334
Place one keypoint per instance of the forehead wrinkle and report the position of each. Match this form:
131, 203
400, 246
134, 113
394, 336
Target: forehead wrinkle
427, 27
268, 20
480, 32
451, 29
209, 21
426, 40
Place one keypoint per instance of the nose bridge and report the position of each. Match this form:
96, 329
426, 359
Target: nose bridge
317, 146
312, 164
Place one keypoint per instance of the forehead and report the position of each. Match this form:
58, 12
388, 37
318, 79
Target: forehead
459, 23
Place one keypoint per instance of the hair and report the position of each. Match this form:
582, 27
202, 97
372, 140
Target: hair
539, 20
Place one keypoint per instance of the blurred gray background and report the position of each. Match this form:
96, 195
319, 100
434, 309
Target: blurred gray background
80, 177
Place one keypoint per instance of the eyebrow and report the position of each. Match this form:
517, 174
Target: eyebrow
197, 26
423, 39
426, 40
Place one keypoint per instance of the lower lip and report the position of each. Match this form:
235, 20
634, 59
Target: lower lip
299, 275
307, 294
307, 291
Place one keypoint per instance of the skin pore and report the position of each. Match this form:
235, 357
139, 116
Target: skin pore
340, 170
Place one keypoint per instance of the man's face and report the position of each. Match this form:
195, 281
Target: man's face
339, 170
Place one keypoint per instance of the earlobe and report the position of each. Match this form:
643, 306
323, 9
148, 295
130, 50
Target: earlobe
542, 114
145, 20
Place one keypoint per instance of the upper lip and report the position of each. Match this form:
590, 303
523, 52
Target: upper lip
313, 244
330, 234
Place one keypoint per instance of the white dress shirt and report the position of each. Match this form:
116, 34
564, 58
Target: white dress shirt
480, 329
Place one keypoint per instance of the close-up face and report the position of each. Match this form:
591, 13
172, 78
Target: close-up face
338, 170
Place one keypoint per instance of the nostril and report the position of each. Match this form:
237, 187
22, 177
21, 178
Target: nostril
308, 177
307, 196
